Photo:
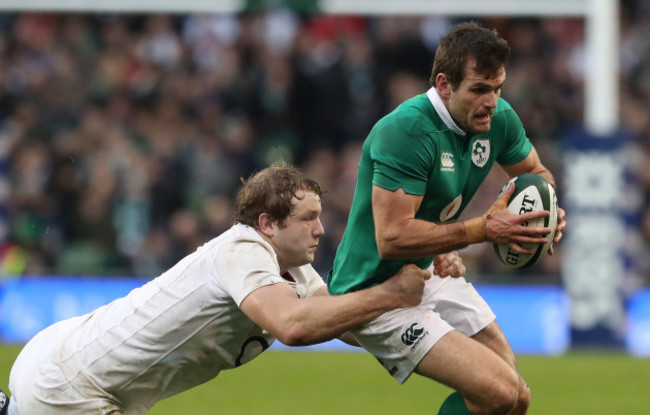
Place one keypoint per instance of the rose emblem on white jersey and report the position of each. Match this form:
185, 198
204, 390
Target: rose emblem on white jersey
481, 152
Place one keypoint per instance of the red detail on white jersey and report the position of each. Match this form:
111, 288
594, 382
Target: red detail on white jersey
288, 277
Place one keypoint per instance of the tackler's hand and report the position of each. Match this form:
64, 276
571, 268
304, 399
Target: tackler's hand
449, 265
407, 285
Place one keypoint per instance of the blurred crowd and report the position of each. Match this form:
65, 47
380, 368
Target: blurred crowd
123, 138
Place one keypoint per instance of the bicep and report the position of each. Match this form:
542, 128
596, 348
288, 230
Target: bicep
531, 164
392, 210
267, 306
322, 291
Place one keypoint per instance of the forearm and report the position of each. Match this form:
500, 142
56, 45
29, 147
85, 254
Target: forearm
418, 238
321, 318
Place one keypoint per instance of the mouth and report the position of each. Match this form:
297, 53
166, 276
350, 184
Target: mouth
483, 118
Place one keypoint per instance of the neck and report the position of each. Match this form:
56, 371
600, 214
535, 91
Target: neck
283, 267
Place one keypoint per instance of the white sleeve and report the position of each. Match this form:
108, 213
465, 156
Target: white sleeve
245, 267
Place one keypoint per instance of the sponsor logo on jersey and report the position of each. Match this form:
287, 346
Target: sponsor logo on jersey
481, 152
447, 162
4, 402
451, 209
412, 336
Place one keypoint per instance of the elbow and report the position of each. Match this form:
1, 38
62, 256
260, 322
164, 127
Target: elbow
387, 254
387, 247
295, 335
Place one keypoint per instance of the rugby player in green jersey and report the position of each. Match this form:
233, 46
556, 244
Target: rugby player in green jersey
420, 166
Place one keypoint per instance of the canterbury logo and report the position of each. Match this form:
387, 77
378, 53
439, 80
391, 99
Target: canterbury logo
411, 335
446, 160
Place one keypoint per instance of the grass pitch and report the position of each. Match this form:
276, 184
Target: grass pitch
315, 383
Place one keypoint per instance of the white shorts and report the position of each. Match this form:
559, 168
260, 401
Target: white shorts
399, 339
38, 386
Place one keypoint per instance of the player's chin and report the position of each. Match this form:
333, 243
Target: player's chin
309, 257
481, 127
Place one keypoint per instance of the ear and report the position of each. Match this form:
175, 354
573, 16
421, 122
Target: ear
267, 224
443, 86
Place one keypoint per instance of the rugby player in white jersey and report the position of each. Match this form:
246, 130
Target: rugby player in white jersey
216, 309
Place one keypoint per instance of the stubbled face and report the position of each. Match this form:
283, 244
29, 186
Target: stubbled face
295, 243
471, 104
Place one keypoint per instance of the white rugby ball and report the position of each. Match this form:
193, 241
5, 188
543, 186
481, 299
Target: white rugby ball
532, 193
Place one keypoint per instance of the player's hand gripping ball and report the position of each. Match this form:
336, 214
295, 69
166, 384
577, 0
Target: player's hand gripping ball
532, 193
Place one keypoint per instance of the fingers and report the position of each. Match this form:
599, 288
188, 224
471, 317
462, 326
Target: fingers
523, 239
449, 265
459, 269
561, 225
519, 249
417, 271
525, 217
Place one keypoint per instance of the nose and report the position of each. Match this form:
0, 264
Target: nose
491, 100
318, 229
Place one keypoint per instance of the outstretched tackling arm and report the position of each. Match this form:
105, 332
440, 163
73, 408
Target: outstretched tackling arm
297, 322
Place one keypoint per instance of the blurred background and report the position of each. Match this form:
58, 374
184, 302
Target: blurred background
124, 137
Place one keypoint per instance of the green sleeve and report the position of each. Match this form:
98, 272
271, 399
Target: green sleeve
401, 160
516, 146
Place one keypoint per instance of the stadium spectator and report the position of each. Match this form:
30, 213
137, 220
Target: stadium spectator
216, 309
420, 166
226, 92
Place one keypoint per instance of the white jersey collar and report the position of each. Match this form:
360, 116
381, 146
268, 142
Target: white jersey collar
442, 111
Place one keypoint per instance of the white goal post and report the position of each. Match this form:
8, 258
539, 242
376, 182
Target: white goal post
601, 35
601, 38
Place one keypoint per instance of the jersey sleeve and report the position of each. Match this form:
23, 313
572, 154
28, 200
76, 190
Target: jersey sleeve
516, 146
400, 159
244, 268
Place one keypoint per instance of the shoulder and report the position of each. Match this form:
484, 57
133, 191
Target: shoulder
413, 117
503, 109
240, 245
505, 117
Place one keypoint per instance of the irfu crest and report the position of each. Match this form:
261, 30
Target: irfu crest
481, 152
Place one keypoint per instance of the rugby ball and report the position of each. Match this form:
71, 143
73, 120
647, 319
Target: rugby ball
532, 193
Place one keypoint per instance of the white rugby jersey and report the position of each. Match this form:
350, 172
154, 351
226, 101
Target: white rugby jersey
182, 328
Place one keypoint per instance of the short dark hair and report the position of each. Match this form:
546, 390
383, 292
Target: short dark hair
271, 191
468, 41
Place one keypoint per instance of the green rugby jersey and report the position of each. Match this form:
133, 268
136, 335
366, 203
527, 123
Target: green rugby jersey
414, 149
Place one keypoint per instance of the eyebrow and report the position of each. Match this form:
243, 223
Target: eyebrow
313, 211
481, 84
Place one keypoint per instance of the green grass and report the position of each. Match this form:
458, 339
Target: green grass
309, 383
